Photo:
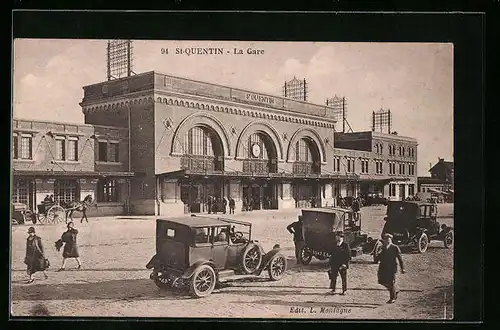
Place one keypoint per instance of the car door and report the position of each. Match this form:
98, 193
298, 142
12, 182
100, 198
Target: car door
220, 247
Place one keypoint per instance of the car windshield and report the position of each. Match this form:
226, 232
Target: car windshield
399, 209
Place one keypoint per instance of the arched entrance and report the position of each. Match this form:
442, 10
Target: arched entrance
260, 159
307, 161
202, 156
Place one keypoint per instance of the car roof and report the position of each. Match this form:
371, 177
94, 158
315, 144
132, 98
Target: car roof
328, 210
196, 221
412, 202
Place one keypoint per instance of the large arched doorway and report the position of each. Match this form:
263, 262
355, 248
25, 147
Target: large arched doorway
202, 157
260, 159
307, 162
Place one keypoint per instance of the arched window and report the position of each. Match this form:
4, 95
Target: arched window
198, 141
203, 149
303, 151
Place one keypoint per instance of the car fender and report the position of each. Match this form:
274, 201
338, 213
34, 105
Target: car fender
266, 259
190, 271
154, 262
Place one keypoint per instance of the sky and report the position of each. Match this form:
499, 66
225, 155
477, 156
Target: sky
413, 80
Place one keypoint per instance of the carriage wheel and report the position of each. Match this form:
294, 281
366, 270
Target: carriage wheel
56, 214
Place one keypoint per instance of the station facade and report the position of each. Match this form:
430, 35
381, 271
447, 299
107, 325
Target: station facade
191, 139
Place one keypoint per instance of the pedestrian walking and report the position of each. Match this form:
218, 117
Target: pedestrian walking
68, 238
388, 267
224, 205
215, 205
35, 257
356, 208
209, 204
232, 205
339, 263
295, 228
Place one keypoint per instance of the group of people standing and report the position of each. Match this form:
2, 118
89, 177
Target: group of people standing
35, 258
340, 255
215, 205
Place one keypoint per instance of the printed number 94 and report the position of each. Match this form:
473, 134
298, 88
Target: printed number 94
164, 51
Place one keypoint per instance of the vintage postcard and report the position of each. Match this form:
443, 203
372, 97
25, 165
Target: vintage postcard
232, 179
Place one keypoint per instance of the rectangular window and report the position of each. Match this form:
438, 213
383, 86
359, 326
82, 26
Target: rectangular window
20, 191
336, 188
107, 191
381, 148
15, 148
26, 144
73, 149
350, 165
103, 151
364, 166
411, 189
392, 190
114, 149
60, 148
336, 164
66, 190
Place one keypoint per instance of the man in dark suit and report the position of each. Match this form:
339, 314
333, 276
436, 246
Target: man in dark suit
339, 263
295, 228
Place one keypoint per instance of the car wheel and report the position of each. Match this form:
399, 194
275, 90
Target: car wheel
203, 281
305, 256
277, 267
251, 259
161, 283
376, 251
448, 239
423, 243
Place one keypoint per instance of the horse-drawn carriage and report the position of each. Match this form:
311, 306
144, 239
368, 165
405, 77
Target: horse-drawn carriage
49, 212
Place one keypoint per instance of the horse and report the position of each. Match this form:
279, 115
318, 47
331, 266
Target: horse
78, 206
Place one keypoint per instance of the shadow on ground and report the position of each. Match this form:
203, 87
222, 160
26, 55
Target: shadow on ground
138, 289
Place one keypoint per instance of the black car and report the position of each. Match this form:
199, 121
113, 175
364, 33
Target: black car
414, 223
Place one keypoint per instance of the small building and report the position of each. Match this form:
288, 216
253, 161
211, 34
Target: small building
440, 184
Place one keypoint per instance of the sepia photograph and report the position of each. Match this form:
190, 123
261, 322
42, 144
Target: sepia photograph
232, 179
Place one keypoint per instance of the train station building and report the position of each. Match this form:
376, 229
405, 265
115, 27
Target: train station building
156, 144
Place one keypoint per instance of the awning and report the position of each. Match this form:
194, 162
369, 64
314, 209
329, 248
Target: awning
238, 174
437, 191
77, 174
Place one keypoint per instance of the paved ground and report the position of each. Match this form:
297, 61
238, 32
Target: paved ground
114, 281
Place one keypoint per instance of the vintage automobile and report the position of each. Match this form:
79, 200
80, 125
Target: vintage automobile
196, 252
21, 214
319, 227
414, 223
371, 199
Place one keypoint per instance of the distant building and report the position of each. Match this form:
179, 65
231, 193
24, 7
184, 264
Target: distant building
390, 163
440, 184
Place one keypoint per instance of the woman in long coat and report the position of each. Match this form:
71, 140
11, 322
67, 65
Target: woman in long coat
35, 257
389, 256
70, 246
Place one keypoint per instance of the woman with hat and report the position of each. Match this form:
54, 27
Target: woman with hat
388, 268
35, 258
70, 247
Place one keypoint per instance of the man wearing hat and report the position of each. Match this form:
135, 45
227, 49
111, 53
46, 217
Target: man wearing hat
295, 229
389, 255
339, 262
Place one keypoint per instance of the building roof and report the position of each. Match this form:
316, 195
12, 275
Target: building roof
448, 164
